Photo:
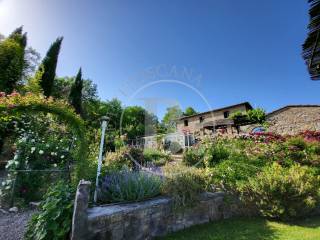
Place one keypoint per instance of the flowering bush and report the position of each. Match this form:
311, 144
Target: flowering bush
267, 137
128, 186
311, 136
37, 152
16, 104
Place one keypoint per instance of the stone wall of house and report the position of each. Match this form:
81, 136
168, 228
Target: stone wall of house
194, 121
148, 219
293, 120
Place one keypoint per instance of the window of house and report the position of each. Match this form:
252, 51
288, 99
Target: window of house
185, 123
201, 119
226, 114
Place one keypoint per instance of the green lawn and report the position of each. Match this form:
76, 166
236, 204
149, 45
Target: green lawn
251, 229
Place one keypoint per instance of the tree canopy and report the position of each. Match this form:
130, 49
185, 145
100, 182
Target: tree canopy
12, 62
189, 111
169, 120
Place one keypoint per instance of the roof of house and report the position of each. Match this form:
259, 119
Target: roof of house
247, 105
290, 106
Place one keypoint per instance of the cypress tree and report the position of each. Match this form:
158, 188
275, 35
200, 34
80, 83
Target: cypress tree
49, 64
12, 63
19, 36
75, 96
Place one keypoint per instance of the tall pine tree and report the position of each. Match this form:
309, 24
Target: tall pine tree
75, 96
12, 62
49, 64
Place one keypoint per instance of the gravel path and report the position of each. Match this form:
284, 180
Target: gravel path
12, 225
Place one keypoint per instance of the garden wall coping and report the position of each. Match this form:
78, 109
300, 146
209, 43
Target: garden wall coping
147, 219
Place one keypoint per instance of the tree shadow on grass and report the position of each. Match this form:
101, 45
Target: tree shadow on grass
310, 222
234, 229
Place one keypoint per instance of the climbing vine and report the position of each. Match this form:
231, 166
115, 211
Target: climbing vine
14, 104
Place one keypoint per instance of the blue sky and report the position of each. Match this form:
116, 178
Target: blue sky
203, 53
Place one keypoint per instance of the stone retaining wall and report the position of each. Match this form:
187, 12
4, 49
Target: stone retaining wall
148, 219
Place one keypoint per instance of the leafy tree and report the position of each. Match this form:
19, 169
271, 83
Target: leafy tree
75, 97
33, 84
170, 118
62, 87
12, 62
31, 61
134, 121
189, 111
257, 115
50, 64
311, 48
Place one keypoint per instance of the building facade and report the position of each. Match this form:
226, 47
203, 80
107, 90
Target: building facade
293, 119
212, 121
288, 120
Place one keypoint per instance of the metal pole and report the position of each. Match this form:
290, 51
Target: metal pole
103, 130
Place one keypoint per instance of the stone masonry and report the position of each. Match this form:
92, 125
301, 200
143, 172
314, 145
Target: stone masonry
294, 119
148, 219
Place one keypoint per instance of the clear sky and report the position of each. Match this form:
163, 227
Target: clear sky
206, 53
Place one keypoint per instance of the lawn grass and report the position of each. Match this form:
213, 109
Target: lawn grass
251, 229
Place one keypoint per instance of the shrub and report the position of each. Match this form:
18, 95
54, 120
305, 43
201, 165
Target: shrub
156, 157
267, 137
55, 216
311, 136
215, 153
173, 147
230, 173
184, 185
128, 186
124, 157
194, 156
37, 148
136, 155
283, 193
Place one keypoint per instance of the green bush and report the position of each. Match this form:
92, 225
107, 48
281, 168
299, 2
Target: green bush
228, 174
194, 156
156, 157
128, 186
184, 185
55, 216
37, 148
283, 193
216, 153
124, 157
174, 147
117, 160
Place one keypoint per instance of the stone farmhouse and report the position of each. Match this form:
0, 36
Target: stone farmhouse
293, 119
290, 119
213, 121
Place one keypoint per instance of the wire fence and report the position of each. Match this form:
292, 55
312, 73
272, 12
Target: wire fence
30, 184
